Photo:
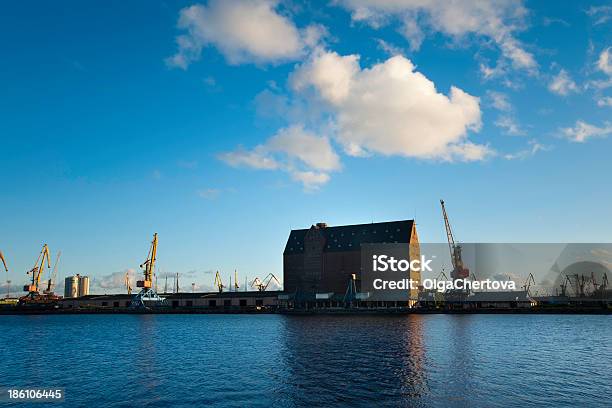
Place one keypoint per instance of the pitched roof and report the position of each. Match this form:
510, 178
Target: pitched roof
350, 237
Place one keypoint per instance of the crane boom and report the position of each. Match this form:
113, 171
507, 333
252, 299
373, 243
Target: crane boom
459, 271
218, 283
3, 261
53, 275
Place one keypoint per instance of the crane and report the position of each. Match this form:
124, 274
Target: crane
459, 271
262, 285
128, 286
148, 294
236, 286
218, 283
8, 282
564, 284
53, 276
528, 283
3, 261
149, 265
36, 271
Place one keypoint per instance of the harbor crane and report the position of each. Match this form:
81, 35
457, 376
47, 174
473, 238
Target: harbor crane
128, 286
34, 297
262, 285
42, 260
528, 282
459, 271
52, 281
8, 282
564, 284
218, 283
236, 286
148, 295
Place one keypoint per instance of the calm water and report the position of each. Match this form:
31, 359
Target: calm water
270, 360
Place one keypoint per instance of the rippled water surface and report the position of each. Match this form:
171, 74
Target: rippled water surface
286, 361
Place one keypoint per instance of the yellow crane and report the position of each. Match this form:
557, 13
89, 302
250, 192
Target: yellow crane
36, 271
148, 294
218, 283
149, 266
236, 286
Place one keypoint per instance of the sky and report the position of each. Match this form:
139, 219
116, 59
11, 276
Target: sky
222, 125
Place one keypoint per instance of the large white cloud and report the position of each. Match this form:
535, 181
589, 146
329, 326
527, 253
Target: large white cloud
392, 109
497, 20
242, 30
308, 158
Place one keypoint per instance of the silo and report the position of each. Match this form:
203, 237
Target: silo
83, 285
71, 287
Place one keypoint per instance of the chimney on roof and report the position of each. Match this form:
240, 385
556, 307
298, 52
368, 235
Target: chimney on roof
321, 225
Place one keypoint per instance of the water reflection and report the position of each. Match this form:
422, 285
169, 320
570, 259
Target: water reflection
355, 360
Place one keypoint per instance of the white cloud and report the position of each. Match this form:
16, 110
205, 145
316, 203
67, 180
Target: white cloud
562, 84
499, 101
308, 158
497, 20
115, 280
583, 131
243, 31
509, 125
533, 148
257, 158
604, 101
391, 109
600, 14
604, 63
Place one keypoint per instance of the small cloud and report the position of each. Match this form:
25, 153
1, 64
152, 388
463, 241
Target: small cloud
499, 101
604, 63
534, 147
604, 101
600, 14
548, 21
509, 125
389, 48
562, 84
583, 131
209, 193
308, 158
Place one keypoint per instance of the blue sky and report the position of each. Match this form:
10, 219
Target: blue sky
223, 125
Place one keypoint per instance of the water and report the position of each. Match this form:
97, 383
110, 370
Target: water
288, 361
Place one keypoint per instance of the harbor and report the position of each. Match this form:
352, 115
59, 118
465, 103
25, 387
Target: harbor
324, 272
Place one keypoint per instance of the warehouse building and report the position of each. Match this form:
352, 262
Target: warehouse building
213, 301
322, 262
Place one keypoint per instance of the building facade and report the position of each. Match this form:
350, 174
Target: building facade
326, 260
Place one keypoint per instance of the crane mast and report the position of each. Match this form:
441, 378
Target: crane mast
218, 283
37, 270
459, 271
148, 295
